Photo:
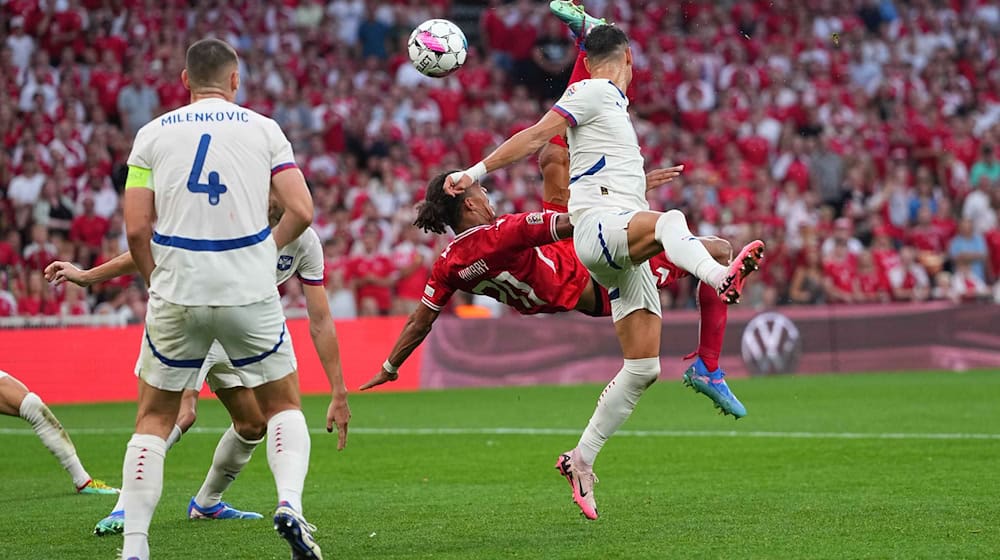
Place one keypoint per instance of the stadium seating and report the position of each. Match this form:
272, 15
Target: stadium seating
860, 140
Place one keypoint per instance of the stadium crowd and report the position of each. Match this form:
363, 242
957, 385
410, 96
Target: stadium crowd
860, 139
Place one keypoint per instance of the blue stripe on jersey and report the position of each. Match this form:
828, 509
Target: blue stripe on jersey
210, 245
281, 167
260, 357
593, 170
565, 114
604, 248
310, 281
193, 364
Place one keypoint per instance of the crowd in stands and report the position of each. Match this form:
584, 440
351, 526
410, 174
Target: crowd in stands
859, 138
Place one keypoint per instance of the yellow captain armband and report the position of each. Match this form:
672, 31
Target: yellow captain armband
139, 177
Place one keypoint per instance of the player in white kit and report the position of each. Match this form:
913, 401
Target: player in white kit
302, 258
615, 233
17, 400
196, 219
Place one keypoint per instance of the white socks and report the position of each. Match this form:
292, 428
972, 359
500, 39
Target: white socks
231, 455
142, 482
288, 455
686, 250
616, 404
51, 432
175, 435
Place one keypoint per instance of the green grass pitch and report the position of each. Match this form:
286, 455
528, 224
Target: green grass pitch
850, 466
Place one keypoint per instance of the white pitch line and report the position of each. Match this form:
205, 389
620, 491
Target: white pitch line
574, 432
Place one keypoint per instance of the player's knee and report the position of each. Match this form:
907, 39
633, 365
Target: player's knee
251, 430
644, 371
552, 154
720, 249
671, 224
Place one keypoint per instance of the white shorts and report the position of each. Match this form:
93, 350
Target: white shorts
177, 348
600, 237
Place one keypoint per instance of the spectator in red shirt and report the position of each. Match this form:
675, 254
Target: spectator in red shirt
413, 260
40, 252
840, 272
908, 280
373, 275
88, 228
74, 302
870, 285
808, 280
37, 299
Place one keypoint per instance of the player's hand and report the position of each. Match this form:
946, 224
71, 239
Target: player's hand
338, 414
382, 377
660, 177
61, 271
456, 183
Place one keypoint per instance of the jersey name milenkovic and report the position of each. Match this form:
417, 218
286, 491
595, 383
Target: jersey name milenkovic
211, 165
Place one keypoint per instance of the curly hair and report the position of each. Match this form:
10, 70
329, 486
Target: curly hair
439, 210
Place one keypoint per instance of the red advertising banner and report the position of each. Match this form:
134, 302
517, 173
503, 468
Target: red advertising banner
80, 364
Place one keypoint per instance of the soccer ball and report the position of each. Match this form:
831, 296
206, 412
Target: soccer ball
437, 48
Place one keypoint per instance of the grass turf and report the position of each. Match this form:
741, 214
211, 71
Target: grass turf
491, 495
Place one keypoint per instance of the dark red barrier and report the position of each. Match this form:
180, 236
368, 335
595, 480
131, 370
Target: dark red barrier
572, 348
82, 364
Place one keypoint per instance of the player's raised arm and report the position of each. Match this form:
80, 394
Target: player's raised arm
418, 326
516, 148
62, 271
324, 337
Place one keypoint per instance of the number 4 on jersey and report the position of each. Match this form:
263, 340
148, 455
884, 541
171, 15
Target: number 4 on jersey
214, 187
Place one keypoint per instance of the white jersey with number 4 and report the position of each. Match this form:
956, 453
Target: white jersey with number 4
606, 167
211, 164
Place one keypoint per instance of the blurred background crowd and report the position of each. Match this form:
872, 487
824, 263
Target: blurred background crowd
859, 138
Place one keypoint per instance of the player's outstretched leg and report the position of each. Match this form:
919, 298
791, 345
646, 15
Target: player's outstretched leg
232, 454
705, 375
573, 15
16, 400
614, 406
671, 233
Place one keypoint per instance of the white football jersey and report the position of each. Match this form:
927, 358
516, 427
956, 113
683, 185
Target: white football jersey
211, 164
606, 167
303, 258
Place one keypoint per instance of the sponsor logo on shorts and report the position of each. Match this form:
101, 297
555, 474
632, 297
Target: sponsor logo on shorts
604, 191
285, 262
535, 218
474, 270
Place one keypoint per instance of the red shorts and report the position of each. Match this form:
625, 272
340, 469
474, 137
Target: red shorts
665, 272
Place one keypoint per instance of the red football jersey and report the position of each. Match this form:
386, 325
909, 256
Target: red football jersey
515, 261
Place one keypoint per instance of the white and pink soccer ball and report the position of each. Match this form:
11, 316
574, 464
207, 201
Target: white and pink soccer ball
437, 48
